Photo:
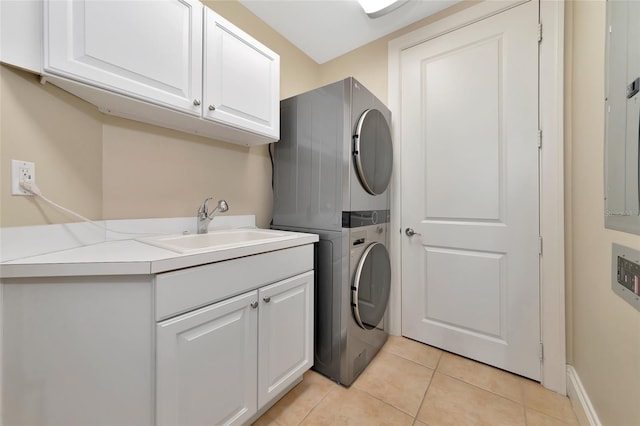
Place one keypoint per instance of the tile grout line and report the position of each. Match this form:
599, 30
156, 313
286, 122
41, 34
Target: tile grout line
485, 390
364, 392
558, 417
524, 405
384, 402
319, 401
415, 362
271, 419
435, 369
521, 381
521, 402
424, 397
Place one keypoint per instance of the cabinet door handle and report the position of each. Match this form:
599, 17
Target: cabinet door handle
267, 299
212, 108
254, 304
196, 102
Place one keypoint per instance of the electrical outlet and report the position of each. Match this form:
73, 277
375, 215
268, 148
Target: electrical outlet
21, 171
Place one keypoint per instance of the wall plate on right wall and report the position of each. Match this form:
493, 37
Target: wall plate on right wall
625, 274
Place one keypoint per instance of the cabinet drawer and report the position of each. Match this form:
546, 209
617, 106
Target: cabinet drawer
186, 289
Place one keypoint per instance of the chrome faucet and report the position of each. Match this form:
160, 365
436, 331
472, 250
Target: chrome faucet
204, 216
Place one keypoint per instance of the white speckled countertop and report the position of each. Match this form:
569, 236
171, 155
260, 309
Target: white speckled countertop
131, 257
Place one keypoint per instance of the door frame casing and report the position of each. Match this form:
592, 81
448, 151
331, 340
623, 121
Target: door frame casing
551, 87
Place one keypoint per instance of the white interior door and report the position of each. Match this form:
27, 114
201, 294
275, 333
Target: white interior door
469, 179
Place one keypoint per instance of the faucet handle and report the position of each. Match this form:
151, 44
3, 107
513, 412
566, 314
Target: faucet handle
204, 209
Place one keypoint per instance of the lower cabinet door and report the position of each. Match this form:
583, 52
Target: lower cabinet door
285, 342
206, 364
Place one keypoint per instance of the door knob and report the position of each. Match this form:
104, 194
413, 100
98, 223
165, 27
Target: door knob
196, 102
410, 232
254, 305
212, 108
267, 299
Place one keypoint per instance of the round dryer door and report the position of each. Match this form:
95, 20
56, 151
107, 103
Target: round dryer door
373, 151
371, 286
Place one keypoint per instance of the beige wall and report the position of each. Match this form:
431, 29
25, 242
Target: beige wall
369, 64
164, 173
605, 337
106, 167
62, 135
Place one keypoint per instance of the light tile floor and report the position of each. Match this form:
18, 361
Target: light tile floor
409, 383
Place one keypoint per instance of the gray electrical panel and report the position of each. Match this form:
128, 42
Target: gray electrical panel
625, 274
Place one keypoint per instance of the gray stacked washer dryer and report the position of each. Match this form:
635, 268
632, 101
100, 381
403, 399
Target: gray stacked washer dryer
332, 168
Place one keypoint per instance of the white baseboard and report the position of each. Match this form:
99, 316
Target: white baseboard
582, 406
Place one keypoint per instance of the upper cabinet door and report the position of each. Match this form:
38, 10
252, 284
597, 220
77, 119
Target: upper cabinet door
241, 79
150, 50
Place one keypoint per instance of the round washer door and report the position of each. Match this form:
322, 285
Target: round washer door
371, 286
373, 151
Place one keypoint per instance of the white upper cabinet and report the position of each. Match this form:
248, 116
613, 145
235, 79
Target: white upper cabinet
150, 50
172, 63
241, 78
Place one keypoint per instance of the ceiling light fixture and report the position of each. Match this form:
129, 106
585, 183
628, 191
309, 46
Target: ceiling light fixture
377, 8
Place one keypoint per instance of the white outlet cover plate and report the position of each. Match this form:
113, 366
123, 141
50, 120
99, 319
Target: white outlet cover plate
18, 167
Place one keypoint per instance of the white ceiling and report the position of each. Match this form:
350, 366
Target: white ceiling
326, 29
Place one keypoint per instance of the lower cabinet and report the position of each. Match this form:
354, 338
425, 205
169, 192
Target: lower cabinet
285, 338
207, 364
222, 363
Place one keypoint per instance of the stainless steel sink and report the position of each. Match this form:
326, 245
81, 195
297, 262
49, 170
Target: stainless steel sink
215, 240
